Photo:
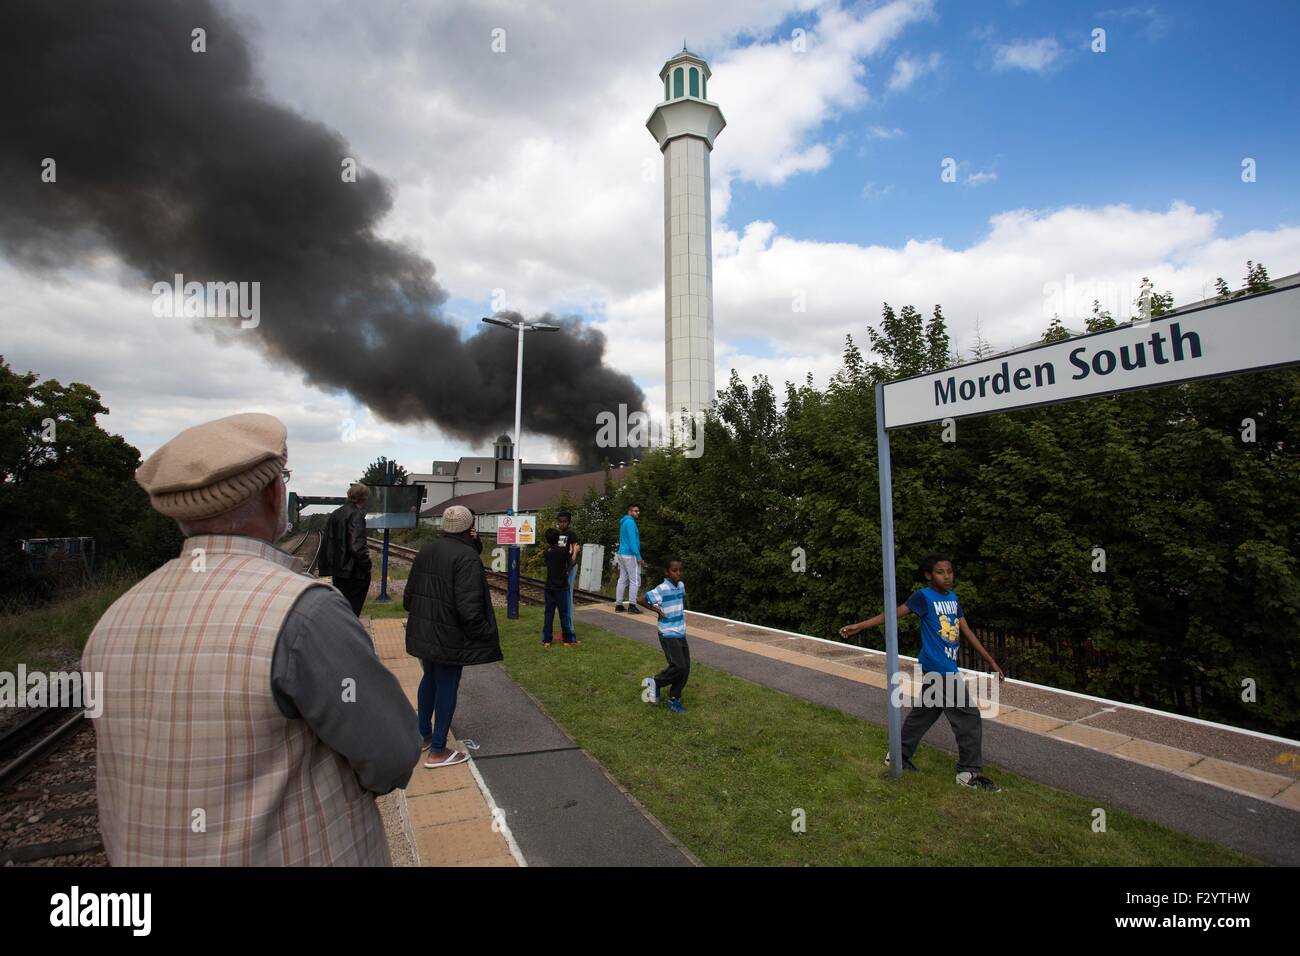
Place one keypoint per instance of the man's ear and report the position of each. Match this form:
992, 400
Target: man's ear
271, 496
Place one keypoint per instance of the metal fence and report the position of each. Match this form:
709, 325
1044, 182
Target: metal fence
68, 562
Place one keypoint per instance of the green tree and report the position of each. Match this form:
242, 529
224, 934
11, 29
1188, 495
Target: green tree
62, 475
377, 473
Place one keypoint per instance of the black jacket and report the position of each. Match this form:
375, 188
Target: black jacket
451, 619
344, 552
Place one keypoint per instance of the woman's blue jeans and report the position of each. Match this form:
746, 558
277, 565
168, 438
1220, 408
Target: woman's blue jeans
436, 701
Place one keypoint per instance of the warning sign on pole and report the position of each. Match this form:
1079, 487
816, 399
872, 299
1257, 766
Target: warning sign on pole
517, 529
527, 529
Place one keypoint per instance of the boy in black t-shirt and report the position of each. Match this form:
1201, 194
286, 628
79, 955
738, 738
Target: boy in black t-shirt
556, 557
564, 525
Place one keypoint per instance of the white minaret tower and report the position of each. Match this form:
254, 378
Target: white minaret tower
685, 125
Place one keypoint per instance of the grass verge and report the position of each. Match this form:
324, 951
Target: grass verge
46, 638
734, 775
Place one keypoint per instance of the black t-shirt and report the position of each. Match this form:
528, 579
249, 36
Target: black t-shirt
569, 540
557, 567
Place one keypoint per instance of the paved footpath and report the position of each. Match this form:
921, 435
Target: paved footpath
1233, 788
446, 812
557, 804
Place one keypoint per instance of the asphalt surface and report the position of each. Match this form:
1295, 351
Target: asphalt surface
1261, 830
560, 806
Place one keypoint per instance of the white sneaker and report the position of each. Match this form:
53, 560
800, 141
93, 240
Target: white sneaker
651, 693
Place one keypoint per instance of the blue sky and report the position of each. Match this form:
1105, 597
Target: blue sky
1183, 92
532, 179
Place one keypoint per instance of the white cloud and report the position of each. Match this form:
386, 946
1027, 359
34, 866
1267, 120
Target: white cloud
1036, 56
1156, 26
884, 132
908, 69
1001, 277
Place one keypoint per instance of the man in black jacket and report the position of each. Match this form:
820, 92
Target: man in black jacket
344, 552
451, 624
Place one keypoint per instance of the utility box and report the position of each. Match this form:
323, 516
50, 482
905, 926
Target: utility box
593, 566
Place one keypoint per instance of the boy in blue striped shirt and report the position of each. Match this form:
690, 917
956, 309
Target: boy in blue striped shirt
668, 600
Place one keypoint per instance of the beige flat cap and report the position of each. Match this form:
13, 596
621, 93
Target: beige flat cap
214, 467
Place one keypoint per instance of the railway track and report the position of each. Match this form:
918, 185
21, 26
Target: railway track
305, 546
531, 590
48, 812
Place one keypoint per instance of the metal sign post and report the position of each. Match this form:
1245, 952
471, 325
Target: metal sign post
894, 717
1249, 334
383, 572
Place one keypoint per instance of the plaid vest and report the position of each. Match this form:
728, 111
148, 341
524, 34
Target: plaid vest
196, 764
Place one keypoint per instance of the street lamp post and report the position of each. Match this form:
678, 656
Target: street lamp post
512, 566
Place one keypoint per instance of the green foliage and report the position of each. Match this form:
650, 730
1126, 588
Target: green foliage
1200, 529
377, 473
62, 475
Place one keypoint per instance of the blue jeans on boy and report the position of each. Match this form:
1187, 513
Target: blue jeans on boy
436, 701
557, 599
573, 576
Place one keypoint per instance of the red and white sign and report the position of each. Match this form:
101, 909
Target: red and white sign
517, 529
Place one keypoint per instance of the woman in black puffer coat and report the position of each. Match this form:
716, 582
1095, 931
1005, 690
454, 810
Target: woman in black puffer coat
451, 624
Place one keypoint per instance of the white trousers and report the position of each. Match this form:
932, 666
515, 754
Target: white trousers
629, 577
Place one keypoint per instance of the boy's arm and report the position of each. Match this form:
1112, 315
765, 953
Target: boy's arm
644, 601
850, 629
979, 648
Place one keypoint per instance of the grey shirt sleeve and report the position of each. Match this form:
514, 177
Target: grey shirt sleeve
368, 721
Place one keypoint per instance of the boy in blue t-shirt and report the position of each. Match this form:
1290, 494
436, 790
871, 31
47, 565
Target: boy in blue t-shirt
668, 600
943, 622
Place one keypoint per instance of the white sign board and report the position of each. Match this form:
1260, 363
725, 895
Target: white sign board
1242, 335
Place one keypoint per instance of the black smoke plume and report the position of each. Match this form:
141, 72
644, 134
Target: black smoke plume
181, 164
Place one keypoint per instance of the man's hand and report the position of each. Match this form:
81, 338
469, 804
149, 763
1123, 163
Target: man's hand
848, 630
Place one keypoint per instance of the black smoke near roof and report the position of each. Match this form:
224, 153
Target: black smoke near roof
180, 163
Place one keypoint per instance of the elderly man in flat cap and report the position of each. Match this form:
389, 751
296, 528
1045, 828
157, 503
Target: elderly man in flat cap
246, 718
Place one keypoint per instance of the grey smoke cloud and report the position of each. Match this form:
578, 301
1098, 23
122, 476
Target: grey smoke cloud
180, 163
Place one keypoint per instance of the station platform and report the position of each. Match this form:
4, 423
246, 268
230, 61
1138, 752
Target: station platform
530, 796
1235, 787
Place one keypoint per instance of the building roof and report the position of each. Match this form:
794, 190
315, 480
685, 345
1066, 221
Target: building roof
532, 496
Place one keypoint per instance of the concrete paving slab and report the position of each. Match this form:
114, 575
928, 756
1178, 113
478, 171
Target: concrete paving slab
441, 779
1239, 778
451, 806
1090, 736
1028, 720
1258, 753
1290, 796
1157, 755
463, 842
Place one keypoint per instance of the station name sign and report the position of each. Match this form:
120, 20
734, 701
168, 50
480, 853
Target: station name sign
1242, 335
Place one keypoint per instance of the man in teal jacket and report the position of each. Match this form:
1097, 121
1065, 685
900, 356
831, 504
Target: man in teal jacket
629, 560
